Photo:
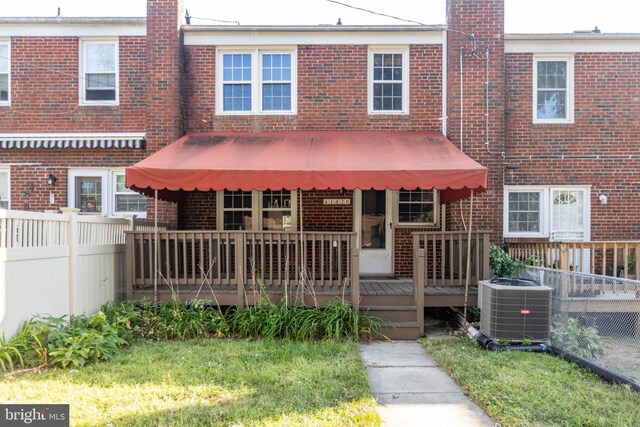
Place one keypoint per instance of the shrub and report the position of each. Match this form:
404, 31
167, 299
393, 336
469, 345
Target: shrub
571, 335
78, 340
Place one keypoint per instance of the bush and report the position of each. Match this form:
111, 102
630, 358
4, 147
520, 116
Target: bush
77, 341
502, 264
571, 335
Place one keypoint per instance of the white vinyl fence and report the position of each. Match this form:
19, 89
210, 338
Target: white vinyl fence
59, 264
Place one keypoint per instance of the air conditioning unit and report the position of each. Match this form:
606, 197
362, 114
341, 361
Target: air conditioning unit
515, 310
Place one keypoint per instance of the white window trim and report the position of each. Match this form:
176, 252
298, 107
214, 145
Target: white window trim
114, 193
7, 170
256, 210
569, 59
108, 190
404, 50
256, 79
82, 66
545, 208
8, 44
396, 212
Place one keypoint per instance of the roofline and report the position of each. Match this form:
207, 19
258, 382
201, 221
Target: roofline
74, 20
572, 36
312, 28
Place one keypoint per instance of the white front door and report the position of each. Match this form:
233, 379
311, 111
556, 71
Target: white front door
373, 222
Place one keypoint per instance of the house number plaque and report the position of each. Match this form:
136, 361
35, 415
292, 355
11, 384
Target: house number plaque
337, 201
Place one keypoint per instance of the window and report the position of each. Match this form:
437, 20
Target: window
256, 81
127, 201
417, 207
99, 72
5, 74
237, 210
389, 80
5, 192
103, 192
524, 212
257, 210
553, 89
559, 213
276, 210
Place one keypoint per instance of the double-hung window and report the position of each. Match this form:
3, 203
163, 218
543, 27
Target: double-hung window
388, 80
99, 72
4, 188
558, 213
257, 210
417, 207
5, 73
256, 81
553, 89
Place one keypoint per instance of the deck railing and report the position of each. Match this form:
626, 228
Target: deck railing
445, 257
241, 259
607, 258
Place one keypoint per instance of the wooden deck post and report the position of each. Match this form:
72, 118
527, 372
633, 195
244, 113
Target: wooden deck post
129, 261
355, 274
240, 264
486, 250
418, 281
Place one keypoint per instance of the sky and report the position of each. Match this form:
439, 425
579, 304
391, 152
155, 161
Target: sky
521, 16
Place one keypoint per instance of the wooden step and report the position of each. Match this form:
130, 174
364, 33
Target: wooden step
401, 330
391, 313
386, 300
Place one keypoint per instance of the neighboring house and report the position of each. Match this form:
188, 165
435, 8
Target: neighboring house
554, 118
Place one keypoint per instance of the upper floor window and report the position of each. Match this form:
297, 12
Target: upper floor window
389, 80
5, 74
553, 89
4, 189
99, 72
256, 81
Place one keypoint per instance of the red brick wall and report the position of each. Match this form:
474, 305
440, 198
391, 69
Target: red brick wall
198, 211
485, 20
600, 149
44, 99
332, 92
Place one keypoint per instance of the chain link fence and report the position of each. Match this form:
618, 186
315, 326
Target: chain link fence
595, 317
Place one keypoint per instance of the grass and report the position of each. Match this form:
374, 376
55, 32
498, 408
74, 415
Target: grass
210, 382
533, 389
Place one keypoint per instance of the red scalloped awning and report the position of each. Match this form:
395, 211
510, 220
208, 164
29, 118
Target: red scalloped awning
309, 160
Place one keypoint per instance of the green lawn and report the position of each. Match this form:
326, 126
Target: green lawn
210, 382
533, 389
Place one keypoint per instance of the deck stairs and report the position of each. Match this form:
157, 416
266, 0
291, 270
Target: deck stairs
398, 311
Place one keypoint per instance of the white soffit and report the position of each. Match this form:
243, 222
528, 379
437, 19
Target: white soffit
72, 27
273, 37
571, 43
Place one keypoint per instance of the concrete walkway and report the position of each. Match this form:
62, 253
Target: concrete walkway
412, 390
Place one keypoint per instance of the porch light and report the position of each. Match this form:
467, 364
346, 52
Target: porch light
51, 179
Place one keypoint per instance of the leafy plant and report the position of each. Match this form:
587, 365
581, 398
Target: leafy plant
502, 264
78, 340
573, 336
